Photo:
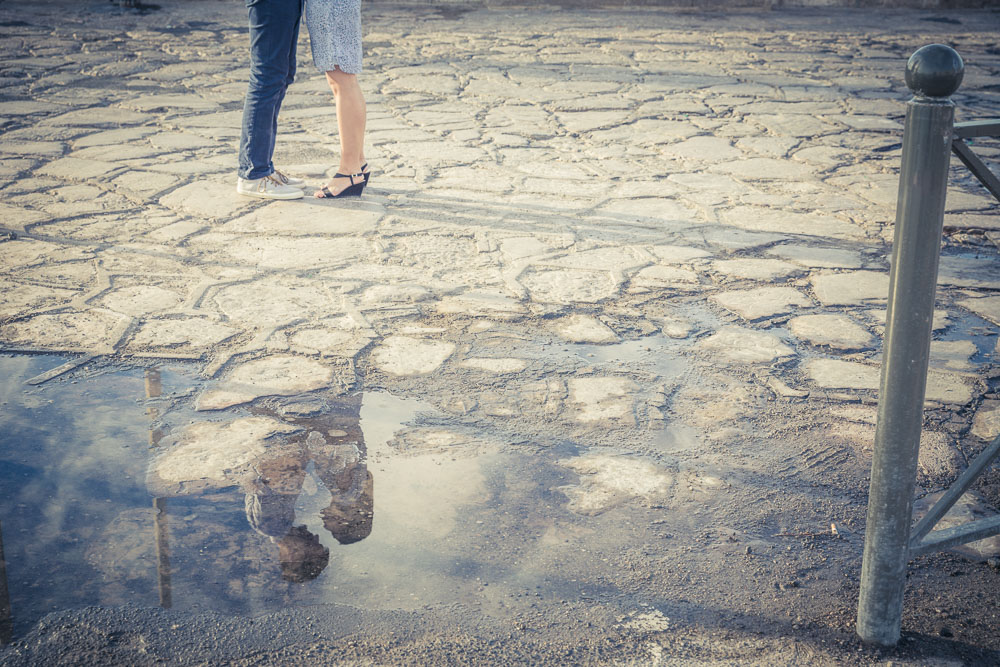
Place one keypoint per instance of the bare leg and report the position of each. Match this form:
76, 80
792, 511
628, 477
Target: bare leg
351, 114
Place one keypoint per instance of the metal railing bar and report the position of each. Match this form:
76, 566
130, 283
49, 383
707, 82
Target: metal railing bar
951, 496
978, 128
977, 167
950, 537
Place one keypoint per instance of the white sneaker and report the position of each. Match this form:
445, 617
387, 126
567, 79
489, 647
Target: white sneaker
267, 187
285, 179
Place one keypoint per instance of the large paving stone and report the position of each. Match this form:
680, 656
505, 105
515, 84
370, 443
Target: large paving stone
758, 218
977, 272
954, 355
309, 217
603, 400
271, 301
763, 168
942, 387
274, 375
836, 374
187, 333
986, 423
578, 328
569, 286
21, 298
211, 455
92, 330
755, 304
208, 199
481, 303
830, 330
137, 300
666, 277
678, 254
755, 269
987, 307
406, 356
495, 365
749, 346
75, 169
851, 288
815, 257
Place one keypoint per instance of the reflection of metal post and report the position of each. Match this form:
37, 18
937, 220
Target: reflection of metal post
162, 552
6, 619
154, 388
933, 73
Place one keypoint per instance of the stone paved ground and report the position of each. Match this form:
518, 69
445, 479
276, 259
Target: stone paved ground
659, 235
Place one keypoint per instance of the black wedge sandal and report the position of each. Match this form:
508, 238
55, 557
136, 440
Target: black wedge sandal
353, 190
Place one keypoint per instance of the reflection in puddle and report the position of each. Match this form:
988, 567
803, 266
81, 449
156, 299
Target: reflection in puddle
116, 491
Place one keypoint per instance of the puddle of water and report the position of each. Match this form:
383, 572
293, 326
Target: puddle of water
659, 354
367, 503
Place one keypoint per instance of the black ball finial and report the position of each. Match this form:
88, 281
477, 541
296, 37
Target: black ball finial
934, 70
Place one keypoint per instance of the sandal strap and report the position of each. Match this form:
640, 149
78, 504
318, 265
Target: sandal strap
350, 176
326, 193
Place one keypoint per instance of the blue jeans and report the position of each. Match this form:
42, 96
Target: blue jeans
274, 31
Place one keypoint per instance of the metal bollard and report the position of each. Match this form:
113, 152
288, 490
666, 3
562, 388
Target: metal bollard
933, 73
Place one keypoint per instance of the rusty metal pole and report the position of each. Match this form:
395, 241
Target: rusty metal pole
933, 73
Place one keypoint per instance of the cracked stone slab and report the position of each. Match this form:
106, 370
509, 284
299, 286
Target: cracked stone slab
188, 333
853, 288
17, 218
603, 400
755, 304
818, 258
750, 346
977, 272
987, 307
481, 303
308, 217
755, 269
495, 365
274, 375
608, 480
207, 455
23, 298
138, 300
406, 356
71, 168
942, 387
208, 199
830, 330
579, 328
70, 331
986, 423
837, 374
758, 218
569, 286
953, 355
168, 102
679, 254
330, 341
279, 252
602, 259
269, 302
666, 277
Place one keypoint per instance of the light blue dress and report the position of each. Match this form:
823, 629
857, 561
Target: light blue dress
335, 33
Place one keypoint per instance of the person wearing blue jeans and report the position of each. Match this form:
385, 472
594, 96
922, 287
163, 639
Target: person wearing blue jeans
274, 32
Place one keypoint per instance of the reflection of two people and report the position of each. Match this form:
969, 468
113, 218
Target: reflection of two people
333, 442
329, 437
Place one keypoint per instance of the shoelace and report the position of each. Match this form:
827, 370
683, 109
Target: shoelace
262, 186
